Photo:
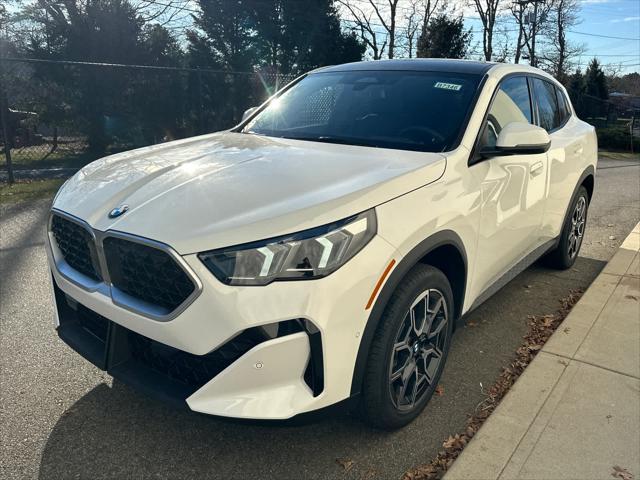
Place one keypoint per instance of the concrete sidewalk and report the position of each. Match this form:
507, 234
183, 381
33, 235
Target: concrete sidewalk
575, 411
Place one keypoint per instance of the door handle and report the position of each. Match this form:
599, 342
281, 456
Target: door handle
536, 168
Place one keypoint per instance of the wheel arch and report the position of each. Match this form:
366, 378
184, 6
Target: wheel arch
587, 180
443, 250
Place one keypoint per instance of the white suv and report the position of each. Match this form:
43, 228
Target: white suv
323, 251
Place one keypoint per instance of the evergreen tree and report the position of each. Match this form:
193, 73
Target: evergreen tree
294, 36
444, 37
577, 88
97, 31
596, 81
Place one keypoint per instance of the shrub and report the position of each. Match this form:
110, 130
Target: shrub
617, 137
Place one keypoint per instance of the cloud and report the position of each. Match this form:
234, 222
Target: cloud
625, 19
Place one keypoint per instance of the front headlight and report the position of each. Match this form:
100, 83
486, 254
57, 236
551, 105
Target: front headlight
306, 255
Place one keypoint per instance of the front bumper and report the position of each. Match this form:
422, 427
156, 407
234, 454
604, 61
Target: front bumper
270, 352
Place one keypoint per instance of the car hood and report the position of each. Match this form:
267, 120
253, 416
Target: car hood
228, 188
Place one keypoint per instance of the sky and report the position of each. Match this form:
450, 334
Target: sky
608, 29
608, 18
598, 20
613, 18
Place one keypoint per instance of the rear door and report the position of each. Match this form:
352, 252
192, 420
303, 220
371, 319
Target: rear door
514, 188
554, 114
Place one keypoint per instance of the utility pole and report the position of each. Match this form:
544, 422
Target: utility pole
534, 30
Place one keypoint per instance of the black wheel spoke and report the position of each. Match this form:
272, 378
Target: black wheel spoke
417, 350
576, 232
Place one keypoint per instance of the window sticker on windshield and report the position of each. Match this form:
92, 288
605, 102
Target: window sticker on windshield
448, 86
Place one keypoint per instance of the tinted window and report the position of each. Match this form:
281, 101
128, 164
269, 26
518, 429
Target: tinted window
424, 111
547, 103
563, 104
510, 104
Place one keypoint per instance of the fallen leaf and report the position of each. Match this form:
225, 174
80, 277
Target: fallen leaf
623, 473
612, 237
547, 320
369, 474
439, 390
566, 330
345, 463
540, 329
472, 324
631, 297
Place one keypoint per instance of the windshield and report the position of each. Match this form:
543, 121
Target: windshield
423, 111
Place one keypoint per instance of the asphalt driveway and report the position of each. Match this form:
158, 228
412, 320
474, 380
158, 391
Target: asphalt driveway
62, 418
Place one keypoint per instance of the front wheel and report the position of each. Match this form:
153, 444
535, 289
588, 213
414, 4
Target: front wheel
409, 349
566, 253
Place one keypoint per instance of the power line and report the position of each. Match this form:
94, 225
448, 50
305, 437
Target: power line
603, 36
138, 67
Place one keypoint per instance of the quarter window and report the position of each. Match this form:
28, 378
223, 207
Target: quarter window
547, 104
511, 104
563, 103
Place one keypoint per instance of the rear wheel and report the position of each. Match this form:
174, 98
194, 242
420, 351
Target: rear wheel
566, 253
409, 349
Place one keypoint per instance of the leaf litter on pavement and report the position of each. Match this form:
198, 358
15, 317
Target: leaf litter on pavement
540, 330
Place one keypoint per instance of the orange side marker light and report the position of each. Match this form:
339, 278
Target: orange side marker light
379, 284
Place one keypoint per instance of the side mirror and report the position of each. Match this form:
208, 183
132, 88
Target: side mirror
518, 138
248, 112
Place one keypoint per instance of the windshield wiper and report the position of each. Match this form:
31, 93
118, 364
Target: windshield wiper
336, 140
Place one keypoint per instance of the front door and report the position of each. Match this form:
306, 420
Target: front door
514, 190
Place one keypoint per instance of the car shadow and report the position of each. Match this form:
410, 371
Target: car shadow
113, 431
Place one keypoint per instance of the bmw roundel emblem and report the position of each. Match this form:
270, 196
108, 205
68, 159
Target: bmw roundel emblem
116, 212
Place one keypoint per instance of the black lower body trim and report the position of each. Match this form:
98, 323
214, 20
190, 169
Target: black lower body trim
513, 272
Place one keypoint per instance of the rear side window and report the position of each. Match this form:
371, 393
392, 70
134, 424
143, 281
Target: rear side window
511, 104
547, 104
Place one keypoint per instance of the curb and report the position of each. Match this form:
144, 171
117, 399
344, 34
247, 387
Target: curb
503, 445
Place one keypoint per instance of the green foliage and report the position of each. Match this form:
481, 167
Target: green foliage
444, 37
577, 88
287, 36
589, 93
117, 107
294, 36
596, 81
98, 31
617, 137
274, 36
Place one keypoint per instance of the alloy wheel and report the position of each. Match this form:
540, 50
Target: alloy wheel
418, 349
578, 221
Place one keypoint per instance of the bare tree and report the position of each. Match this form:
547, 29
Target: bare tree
430, 7
384, 15
503, 39
518, 10
172, 14
364, 26
488, 10
413, 21
558, 57
531, 16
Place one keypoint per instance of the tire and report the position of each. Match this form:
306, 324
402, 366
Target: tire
565, 254
384, 405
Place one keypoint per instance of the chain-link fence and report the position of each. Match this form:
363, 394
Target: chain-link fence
65, 114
